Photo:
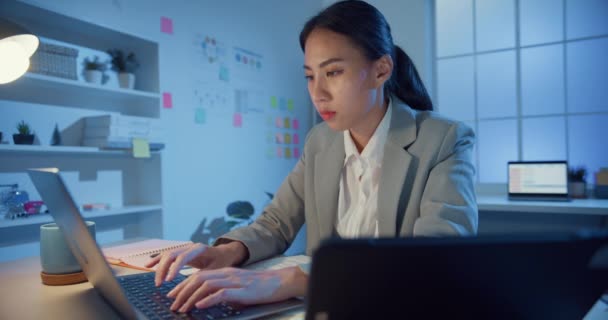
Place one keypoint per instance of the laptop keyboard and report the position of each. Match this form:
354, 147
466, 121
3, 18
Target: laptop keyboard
152, 301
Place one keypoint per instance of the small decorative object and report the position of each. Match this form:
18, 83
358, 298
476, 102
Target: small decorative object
24, 135
94, 70
125, 65
240, 213
56, 139
577, 183
601, 183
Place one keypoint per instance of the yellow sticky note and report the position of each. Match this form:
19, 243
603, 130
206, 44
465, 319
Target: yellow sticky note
141, 148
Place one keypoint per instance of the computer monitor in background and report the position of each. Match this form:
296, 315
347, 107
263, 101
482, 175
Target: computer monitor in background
538, 180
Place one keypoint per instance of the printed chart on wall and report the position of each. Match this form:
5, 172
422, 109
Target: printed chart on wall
229, 88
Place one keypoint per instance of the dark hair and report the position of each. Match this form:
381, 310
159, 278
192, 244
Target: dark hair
367, 28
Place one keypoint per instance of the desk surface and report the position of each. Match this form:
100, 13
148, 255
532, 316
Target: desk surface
23, 296
575, 206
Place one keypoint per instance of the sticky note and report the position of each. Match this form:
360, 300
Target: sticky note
141, 148
279, 122
279, 152
296, 138
295, 124
282, 104
296, 152
286, 123
167, 100
237, 120
200, 116
287, 138
224, 73
273, 102
278, 138
290, 105
166, 25
287, 153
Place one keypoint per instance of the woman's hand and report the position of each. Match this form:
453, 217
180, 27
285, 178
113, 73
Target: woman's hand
206, 288
199, 256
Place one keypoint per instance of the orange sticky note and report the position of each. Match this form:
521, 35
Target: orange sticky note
287, 138
287, 153
286, 123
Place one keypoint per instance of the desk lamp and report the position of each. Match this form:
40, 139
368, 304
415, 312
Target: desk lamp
16, 47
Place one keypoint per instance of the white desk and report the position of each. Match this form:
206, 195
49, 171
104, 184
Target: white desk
576, 206
23, 296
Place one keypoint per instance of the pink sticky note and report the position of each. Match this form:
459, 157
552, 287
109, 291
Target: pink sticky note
167, 100
296, 152
237, 120
296, 124
166, 25
279, 122
296, 138
279, 152
278, 138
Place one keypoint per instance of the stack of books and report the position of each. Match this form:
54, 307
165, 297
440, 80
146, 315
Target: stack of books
114, 131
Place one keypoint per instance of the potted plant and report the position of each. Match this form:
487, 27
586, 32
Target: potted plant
94, 70
577, 183
24, 135
125, 65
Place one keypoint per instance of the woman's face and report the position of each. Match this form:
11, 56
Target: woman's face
342, 83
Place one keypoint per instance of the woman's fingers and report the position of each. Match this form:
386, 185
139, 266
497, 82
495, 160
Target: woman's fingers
153, 262
171, 262
207, 288
186, 288
236, 295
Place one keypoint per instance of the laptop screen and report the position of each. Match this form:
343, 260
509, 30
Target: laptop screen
538, 179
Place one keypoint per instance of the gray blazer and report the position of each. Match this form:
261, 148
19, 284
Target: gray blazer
426, 186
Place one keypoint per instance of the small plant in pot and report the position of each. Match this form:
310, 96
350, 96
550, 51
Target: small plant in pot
577, 182
24, 135
125, 65
94, 70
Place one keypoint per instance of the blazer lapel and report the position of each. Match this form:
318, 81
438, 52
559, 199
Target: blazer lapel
328, 167
395, 166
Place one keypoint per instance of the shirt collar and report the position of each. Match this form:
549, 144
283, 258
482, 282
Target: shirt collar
373, 151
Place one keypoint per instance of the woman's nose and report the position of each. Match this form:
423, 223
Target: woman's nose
318, 92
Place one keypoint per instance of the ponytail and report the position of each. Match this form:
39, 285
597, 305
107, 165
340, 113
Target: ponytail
405, 82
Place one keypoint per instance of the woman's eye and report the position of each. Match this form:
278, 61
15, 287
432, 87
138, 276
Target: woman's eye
333, 73
308, 78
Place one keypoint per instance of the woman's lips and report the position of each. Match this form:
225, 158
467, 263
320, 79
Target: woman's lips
326, 115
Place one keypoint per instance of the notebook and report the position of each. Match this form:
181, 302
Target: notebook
136, 255
131, 296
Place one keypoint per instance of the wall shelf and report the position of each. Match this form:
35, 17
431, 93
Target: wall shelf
67, 150
77, 94
47, 218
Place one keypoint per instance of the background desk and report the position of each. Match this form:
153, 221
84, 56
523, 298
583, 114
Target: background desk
23, 296
497, 214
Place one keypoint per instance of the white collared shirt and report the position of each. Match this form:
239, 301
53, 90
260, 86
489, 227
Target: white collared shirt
359, 180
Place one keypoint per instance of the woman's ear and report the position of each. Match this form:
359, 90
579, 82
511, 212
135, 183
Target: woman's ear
383, 68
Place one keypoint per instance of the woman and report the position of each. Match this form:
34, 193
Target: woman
381, 165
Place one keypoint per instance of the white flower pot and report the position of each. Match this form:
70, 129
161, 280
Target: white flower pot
93, 76
126, 80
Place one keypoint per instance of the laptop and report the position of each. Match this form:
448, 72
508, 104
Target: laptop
503, 277
131, 296
538, 180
